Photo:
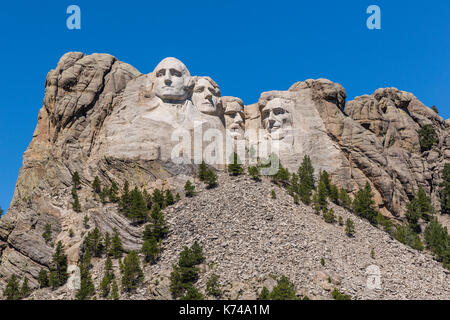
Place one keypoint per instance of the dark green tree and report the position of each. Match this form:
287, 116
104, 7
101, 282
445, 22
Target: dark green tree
210, 179
158, 226
150, 249
435, 109
203, 168
284, 290
325, 178
364, 205
329, 216
189, 188
93, 242
12, 290
192, 293
107, 243
419, 208
427, 137
76, 180
169, 198
59, 265
322, 193
306, 172
113, 192
158, 198
43, 278
125, 199
213, 286
437, 240
96, 185
47, 234
132, 274
235, 167
344, 199
444, 191
177, 197
76, 206
25, 290
87, 288
408, 236
334, 194
104, 194
264, 294
337, 295
349, 227
116, 246
253, 171
138, 211
114, 290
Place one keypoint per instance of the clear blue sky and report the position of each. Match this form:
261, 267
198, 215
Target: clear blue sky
248, 47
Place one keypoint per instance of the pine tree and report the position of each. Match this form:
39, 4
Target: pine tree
169, 198
349, 228
408, 236
264, 294
87, 288
197, 252
104, 194
315, 203
47, 234
116, 245
322, 195
203, 168
210, 179
43, 278
427, 137
76, 180
213, 286
138, 209
25, 290
364, 205
177, 197
189, 189
304, 191
114, 290
444, 191
284, 290
306, 173
437, 240
344, 199
150, 249
12, 291
158, 198
107, 243
59, 265
86, 222
419, 208
253, 171
192, 293
86, 259
96, 185
329, 216
273, 194
296, 199
76, 206
325, 178
125, 199
113, 192
435, 109
282, 175
235, 167
132, 273
159, 228
105, 285
334, 194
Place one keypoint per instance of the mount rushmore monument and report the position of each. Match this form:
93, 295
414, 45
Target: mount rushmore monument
102, 117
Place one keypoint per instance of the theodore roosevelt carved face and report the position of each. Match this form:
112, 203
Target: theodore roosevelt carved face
234, 116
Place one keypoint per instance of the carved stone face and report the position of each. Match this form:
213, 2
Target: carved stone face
276, 118
206, 96
171, 80
234, 119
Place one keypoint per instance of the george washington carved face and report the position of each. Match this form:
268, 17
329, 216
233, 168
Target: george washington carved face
172, 81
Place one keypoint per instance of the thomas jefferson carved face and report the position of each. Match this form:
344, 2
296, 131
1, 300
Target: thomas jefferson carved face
206, 96
172, 80
234, 117
276, 118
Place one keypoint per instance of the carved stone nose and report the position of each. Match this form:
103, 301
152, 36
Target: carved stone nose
168, 81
